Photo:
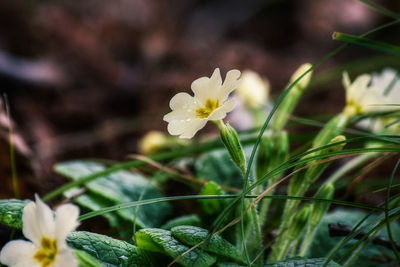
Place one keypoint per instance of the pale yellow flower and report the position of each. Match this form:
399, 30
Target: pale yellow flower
210, 102
151, 142
253, 89
387, 83
360, 96
47, 234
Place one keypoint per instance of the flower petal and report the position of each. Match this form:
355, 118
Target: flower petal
199, 89
220, 112
192, 128
19, 253
186, 128
66, 221
181, 101
231, 83
65, 258
44, 218
357, 88
31, 229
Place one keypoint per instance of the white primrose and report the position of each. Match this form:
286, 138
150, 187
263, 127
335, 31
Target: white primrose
47, 234
210, 103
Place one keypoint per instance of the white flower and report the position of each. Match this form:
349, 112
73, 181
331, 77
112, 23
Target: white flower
387, 84
360, 96
253, 89
47, 234
210, 102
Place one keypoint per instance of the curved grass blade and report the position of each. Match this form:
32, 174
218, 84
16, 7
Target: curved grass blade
380, 9
375, 45
392, 242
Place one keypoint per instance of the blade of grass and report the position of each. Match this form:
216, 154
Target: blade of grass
375, 45
380, 9
396, 252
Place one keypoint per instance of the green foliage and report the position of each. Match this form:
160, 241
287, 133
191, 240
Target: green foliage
313, 262
218, 167
212, 206
85, 259
11, 212
117, 188
159, 240
108, 251
372, 255
193, 220
191, 235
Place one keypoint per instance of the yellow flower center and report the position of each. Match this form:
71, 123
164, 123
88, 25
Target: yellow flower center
209, 107
47, 254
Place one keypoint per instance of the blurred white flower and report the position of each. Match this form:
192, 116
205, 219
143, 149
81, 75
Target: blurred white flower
360, 96
210, 102
151, 142
253, 89
388, 84
47, 234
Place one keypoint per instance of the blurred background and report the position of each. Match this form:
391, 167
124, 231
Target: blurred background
87, 79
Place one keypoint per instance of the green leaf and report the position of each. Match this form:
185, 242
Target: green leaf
217, 166
315, 262
352, 39
192, 235
212, 206
159, 240
11, 212
119, 187
372, 255
183, 220
85, 260
108, 251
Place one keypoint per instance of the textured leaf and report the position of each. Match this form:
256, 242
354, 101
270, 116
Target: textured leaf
183, 220
11, 212
317, 262
120, 187
192, 235
372, 255
212, 206
218, 167
108, 251
159, 240
85, 259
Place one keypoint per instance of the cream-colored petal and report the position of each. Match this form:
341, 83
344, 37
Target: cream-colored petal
231, 83
44, 218
221, 112
18, 253
199, 88
181, 101
65, 258
186, 128
31, 229
358, 87
346, 80
179, 115
66, 221
192, 127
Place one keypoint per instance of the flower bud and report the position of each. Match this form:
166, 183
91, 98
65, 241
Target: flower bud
152, 142
319, 208
253, 90
305, 81
291, 99
299, 221
231, 141
264, 156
